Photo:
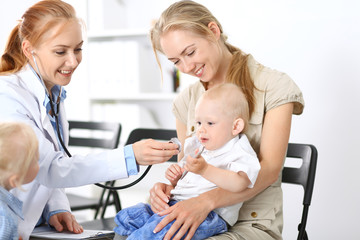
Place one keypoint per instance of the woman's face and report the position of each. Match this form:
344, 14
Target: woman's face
193, 54
58, 57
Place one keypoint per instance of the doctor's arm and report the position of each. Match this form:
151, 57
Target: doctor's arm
57, 170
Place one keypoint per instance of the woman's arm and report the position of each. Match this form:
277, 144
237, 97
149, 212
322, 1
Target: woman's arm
274, 140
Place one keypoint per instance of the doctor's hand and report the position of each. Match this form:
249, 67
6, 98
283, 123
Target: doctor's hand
65, 221
150, 151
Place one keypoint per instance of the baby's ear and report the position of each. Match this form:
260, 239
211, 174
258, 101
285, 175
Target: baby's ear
238, 126
13, 180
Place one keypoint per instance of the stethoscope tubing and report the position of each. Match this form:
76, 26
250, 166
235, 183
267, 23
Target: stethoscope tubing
56, 114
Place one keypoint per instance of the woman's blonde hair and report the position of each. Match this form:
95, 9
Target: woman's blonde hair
191, 16
18, 147
36, 21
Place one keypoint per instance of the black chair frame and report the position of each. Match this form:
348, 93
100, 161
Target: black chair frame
139, 134
304, 175
105, 143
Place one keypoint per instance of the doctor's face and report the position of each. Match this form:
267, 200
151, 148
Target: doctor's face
59, 54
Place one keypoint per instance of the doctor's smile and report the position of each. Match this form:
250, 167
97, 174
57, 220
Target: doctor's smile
65, 73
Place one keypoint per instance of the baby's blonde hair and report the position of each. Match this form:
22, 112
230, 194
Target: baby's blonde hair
233, 100
18, 147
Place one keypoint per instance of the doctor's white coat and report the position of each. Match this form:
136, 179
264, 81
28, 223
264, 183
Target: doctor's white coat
21, 99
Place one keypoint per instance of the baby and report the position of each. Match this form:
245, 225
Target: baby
227, 161
19, 155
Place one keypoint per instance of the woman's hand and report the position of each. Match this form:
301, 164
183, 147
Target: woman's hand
149, 151
159, 197
188, 215
65, 221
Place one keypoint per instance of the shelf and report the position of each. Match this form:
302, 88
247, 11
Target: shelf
117, 34
140, 97
125, 85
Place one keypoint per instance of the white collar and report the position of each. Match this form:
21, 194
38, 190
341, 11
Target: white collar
224, 149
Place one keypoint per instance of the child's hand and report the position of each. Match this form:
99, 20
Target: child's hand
196, 165
173, 173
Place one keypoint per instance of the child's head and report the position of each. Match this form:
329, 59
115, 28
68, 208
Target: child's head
221, 113
19, 154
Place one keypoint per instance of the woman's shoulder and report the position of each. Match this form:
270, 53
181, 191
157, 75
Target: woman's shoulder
9, 83
264, 76
276, 87
14, 78
20, 89
4, 78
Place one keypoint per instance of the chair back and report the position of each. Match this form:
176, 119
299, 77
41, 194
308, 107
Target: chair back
304, 175
105, 135
94, 140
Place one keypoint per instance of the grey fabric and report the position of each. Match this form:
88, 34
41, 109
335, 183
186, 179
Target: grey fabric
119, 237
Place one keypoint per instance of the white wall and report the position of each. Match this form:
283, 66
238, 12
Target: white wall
317, 44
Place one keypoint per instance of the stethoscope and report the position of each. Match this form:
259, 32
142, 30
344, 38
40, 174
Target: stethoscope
56, 115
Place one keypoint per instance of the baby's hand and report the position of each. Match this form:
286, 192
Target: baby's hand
173, 173
196, 165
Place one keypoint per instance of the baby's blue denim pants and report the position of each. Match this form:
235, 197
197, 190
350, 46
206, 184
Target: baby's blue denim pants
139, 221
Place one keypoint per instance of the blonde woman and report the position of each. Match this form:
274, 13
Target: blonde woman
193, 39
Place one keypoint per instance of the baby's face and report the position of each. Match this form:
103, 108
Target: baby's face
33, 169
214, 127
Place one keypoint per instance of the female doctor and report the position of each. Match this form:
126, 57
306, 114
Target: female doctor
41, 54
